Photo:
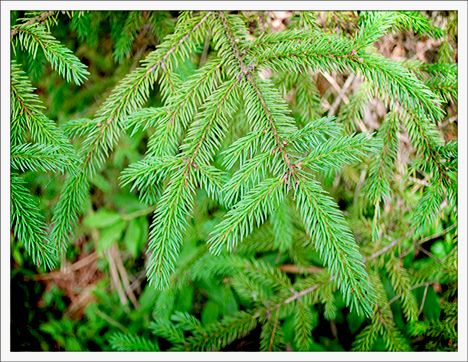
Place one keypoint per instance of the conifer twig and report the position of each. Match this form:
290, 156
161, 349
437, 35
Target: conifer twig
343, 90
389, 246
424, 299
335, 85
115, 277
274, 329
123, 273
38, 19
413, 287
288, 268
304, 292
111, 320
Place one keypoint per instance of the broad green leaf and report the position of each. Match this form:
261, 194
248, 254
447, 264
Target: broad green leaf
101, 219
133, 236
110, 235
210, 312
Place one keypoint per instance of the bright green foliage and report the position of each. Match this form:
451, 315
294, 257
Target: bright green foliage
36, 142
336, 246
29, 226
32, 37
275, 203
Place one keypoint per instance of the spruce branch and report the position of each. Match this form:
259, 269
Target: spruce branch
400, 280
203, 139
168, 225
374, 24
418, 22
305, 320
27, 118
125, 342
239, 221
37, 157
382, 325
33, 36
38, 19
314, 133
129, 95
218, 334
253, 205
335, 244
377, 187
331, 53
28, 225
335, 153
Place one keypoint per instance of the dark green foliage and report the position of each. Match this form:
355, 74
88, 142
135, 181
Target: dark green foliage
125, 342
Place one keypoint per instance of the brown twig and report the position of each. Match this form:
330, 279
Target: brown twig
388, 247
335, 85
341, 94
123, 274
115, 278
205, 50
59, 274
424, 299
304, 292
274, 330
413, 287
